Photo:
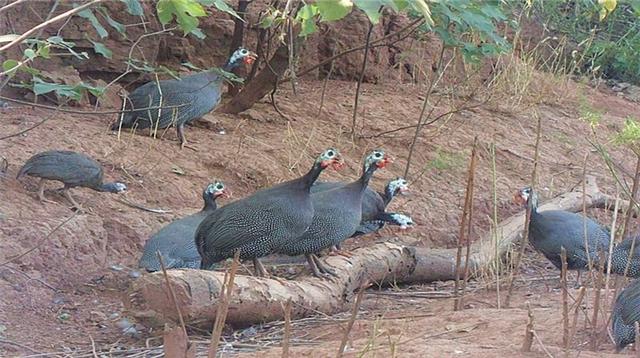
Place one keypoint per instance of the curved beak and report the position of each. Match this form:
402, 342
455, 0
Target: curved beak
385, 161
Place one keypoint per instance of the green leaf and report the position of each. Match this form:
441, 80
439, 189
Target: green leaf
332, 10
8, 37
113, 23
371, 8
43, 50
30, 54
422, 7
133, 7
9, 66
401, 4
41, 87
186, 13
100, 48
88, 14
223, 6
306, 16
191, 66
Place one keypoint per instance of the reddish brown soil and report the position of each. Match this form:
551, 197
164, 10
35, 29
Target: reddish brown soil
63, 294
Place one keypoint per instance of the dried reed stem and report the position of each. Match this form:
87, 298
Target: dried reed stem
354, 314
223, 305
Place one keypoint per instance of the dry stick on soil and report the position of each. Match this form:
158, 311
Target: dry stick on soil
354, 314
287, 329
49, 22
495, 237
528, 333
527, 219
565, 303
41, 241
174, 301
9, 6
468, 204
362, 69
576, 310
223, 306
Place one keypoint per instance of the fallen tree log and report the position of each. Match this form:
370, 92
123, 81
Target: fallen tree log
255, 300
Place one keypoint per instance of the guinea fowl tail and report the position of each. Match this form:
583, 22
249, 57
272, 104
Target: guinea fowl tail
25, 168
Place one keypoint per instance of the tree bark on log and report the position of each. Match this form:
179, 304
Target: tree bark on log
257, 300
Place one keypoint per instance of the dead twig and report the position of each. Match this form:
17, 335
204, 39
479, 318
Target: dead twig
468, 207
10, 5
287, 329
359, 84
125, 201
223, 305
42, 241
354, 314
528, 333
49, 22
527, 219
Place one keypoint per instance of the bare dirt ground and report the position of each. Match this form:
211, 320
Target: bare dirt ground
63, 294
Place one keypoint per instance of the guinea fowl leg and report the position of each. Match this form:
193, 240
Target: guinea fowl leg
75, 204
322, 267
41, 193
259, 268
182, 138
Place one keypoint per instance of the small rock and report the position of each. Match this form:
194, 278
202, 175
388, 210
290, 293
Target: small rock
3, 329
64, 316
249, 332
124, 324
4, 104
222, 132
135, 274
58, 300
131, 331
116, 267
114, 315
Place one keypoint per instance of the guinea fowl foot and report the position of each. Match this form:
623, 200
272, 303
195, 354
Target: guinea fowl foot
343, 253
75, 206
322, 268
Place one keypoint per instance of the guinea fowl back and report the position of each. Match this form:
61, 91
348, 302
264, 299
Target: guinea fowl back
626, 312
620, 257
74, 169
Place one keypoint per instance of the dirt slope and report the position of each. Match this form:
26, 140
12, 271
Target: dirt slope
79, 269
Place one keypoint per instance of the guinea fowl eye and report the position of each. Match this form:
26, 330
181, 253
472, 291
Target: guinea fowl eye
330, 153
244, 51
219, 187
378, 155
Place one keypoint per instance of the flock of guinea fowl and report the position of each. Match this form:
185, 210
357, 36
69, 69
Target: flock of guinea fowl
304, 216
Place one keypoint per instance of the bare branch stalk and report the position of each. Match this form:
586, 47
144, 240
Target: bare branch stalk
354, 315
362, 69
49, 22
527, 220
223, 306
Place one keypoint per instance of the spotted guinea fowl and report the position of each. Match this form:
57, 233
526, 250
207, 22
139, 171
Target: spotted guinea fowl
262, 222
551, 230
374, 204
620, 257
175, 241
626, 311
72, 169
338, 213
196, 94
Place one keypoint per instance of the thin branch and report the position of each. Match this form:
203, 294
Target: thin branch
354, 314
364, 66
223, 306
41, 241
47, 23
374, 43
9, 6
88, 112
172, 294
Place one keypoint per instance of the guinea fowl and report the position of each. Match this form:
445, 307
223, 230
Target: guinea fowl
626, 312
551, 230
71, 168
338, 213
620, 257
196, 95
374, 204
175, 241
261, 223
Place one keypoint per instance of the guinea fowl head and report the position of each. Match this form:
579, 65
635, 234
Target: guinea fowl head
216, 189
397, 186
114, 187
240, 56
377, 158
526, 197
330, 157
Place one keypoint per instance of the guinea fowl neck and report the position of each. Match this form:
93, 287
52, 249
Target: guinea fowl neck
312, 175
230, 65
209, 202
388, 195
363, 181
532, 203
